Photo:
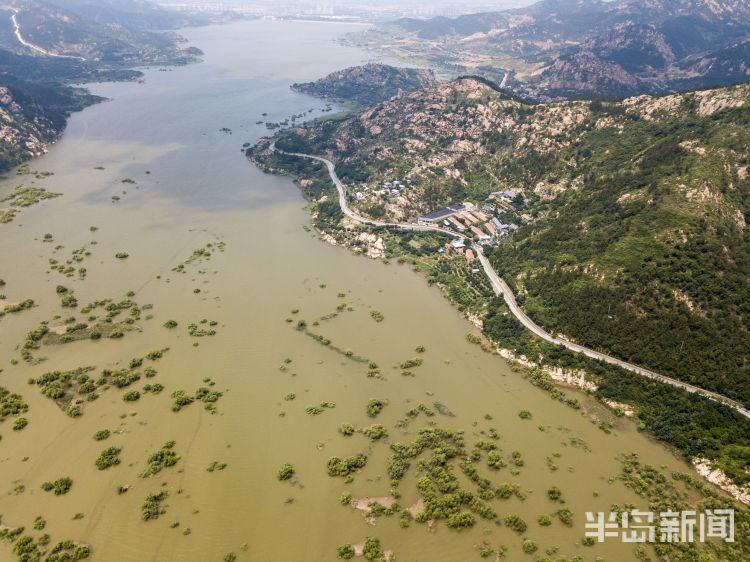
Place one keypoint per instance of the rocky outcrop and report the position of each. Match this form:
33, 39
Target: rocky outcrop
369, 84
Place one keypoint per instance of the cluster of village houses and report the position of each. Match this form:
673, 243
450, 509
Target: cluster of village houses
465, 219
392, 187
483, 224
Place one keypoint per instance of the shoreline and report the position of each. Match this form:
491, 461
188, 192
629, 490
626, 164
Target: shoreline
561, 378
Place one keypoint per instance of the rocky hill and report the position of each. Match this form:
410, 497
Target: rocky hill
574, 47
32, 115
632, 231
638, 238
369, 84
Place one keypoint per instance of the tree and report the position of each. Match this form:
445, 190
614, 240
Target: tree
286, 472
345, 551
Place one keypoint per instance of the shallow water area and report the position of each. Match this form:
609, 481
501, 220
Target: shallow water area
190, 186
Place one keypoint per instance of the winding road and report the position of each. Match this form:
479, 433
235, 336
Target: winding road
17, 31
500, 287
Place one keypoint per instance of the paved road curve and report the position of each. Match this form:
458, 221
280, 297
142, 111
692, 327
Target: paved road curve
500, 287
17, 32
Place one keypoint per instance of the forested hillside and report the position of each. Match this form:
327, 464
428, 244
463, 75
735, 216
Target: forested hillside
638, 245
32, 115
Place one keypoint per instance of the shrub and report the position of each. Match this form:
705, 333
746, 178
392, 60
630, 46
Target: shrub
131, 396
565, 515
375, 406
554, 493
377, 315
344, 467
376, 431
544, 520
151, 507
285, 472
514, 522
121, 255
346, 429
372, 549
108, 457
345, 551
170, 324
524, 415
529, 546
60, 486
20, 423
102, 434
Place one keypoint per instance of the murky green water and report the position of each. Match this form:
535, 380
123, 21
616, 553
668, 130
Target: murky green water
200, 189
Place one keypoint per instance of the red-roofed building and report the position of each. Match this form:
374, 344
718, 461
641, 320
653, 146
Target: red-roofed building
482, 235
459, 226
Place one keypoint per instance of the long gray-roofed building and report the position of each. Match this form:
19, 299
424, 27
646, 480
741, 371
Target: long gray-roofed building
436, 216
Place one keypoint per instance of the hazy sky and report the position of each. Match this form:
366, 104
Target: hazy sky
420, 8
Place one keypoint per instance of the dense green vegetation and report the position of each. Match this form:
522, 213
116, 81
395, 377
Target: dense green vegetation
108, 457
285, 472
60, 487
21, 196
203, 394
152, 506
671, 290
345, 467
677, 492
11, 404
163, 458
375, 406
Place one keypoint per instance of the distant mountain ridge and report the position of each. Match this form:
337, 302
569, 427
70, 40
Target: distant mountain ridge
584, 47
59, 46
66, 33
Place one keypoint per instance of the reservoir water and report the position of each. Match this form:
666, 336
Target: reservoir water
178, 139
